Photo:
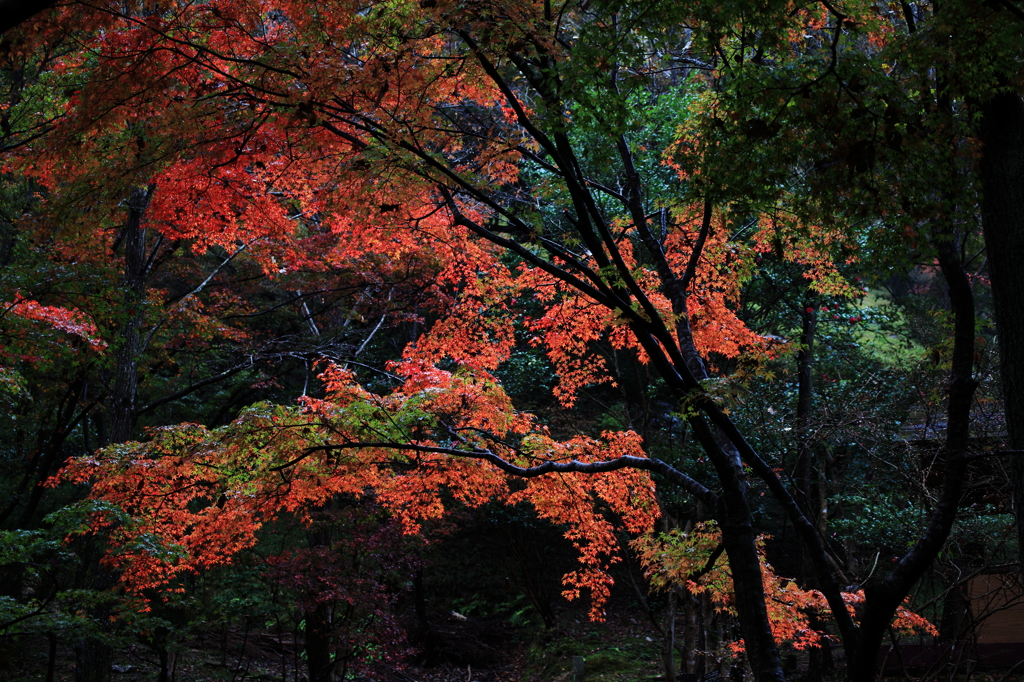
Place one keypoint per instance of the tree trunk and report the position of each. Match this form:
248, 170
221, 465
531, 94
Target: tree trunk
883, 596
736, 523
93, 656
93, 659
319, 620
819, 659
168, 665
51, 660
126, 372
1002, 217
318, 644
739, 539
668, 646
804, 405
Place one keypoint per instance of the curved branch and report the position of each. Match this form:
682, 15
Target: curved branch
572, 466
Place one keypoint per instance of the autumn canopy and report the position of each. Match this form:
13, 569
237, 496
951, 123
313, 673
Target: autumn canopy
440, 193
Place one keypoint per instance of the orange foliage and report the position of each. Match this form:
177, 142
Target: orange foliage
68, 321
320, 139
680, 560
195, 497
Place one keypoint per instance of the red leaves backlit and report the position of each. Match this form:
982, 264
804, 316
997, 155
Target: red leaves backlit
68, 321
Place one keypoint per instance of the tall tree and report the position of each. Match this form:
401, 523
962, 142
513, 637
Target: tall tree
521, 147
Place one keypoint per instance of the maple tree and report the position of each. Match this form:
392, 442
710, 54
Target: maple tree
691, 561
148, 336
595, 159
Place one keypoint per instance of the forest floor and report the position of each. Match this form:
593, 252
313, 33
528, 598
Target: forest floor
457, 651
623, 650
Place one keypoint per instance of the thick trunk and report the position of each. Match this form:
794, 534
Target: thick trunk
669, 645
1002, 215
93, 656
168, 665
319, 620
126, 372
739, 539
51, 660
318, 644
93, 659
819, 659
420, 599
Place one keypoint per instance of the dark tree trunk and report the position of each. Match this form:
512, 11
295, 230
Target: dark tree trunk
1002, 216
804, 405
93, 659
739, 539
51, 660
168, 665
48, 454
736, 524
126, 372
668, 646
883, 597
819, 659
420, 599
93, 656
318, 620
318, 644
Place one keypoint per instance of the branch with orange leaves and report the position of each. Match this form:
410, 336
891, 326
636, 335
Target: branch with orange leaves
571, 466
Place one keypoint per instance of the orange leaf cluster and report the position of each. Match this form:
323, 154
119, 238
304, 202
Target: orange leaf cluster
68, 321
680, 560
193, 497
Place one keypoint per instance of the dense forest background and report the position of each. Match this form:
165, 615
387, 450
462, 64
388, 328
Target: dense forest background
508, 340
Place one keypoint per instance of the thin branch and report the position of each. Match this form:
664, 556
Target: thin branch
1014, 10
698, 247
191, 388
369, 337
198, 289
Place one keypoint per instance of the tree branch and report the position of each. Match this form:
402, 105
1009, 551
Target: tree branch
572, 466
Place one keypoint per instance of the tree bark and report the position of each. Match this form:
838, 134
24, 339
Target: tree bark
733, 515
318, 644
319, 623
93, 656
1002, 217
93, 659
884, 596
804, 405
668, 646
126, 372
